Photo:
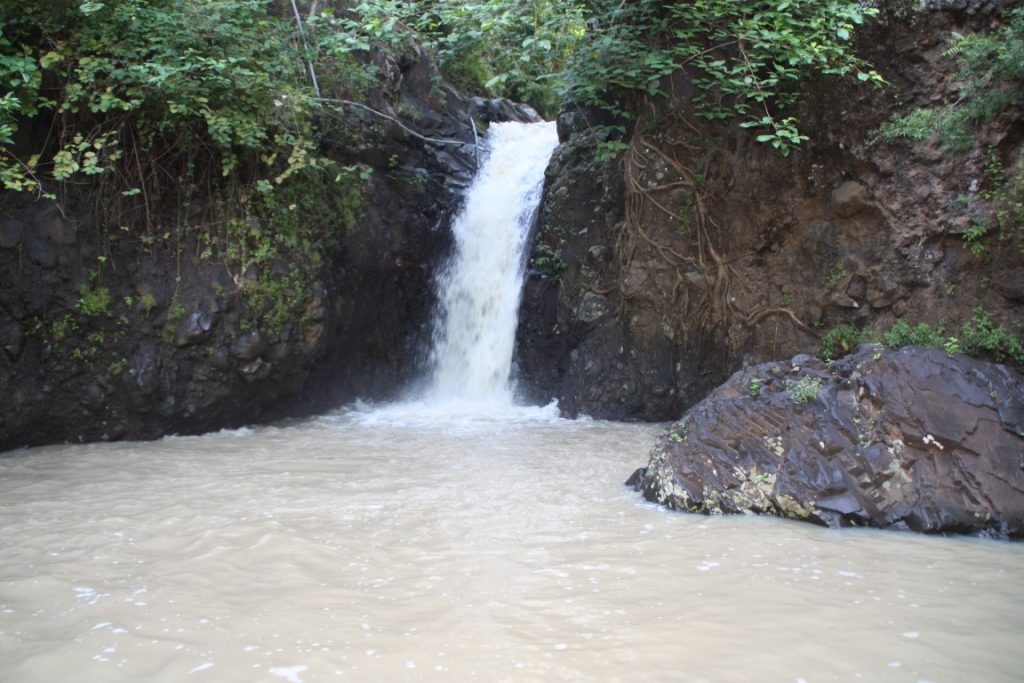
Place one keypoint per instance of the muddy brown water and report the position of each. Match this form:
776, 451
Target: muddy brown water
412, 543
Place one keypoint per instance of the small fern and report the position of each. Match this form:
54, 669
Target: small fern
991, 68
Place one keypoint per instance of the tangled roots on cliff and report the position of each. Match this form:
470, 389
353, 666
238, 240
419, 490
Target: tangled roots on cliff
706, 283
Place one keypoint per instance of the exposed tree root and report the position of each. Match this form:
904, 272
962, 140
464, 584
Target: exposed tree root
702, 270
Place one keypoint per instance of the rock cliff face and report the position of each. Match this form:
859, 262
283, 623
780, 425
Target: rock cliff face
107, 335
909, 439
659, 271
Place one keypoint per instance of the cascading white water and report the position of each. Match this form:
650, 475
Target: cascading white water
480, 289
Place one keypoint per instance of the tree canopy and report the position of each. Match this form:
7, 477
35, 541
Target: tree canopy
229, 77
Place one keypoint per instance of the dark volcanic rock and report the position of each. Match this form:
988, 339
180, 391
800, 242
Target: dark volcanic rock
578, 340
122, 334
673, 250
913, 438
10, 233
498, 109
249, 346
195, 329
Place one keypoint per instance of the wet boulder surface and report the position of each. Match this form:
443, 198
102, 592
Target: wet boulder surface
907, 439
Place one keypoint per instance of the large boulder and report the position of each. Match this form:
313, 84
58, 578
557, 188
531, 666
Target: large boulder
908, 439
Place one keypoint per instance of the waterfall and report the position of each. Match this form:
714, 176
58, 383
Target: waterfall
480, 288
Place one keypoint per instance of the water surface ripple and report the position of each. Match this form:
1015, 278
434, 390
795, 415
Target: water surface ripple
411, 543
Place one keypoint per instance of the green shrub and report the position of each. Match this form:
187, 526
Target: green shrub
147, 301
93, 302
547, 260
902, 334
804, 390
990, 77
839, 341
1004, 192
842, 339
918, 125
168, 80
631, 46
63, 327
475, 43
981, 336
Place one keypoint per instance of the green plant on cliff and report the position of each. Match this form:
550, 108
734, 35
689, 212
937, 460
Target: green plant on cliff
981, 336
292, 225
61, 328
175, 314
143, 89
901, 334
94, 302
804, 390
991, 72
504, 48
1003, 194
754, 54
161, 103
842, 339
147, 301
548, 260
839, 341
135, 72
747, 59
621, 56
139, 89
679, 432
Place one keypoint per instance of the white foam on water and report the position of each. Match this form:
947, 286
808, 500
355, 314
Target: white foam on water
452, 414
288, 673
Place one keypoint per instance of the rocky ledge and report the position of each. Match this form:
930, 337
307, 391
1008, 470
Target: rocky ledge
905, 439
